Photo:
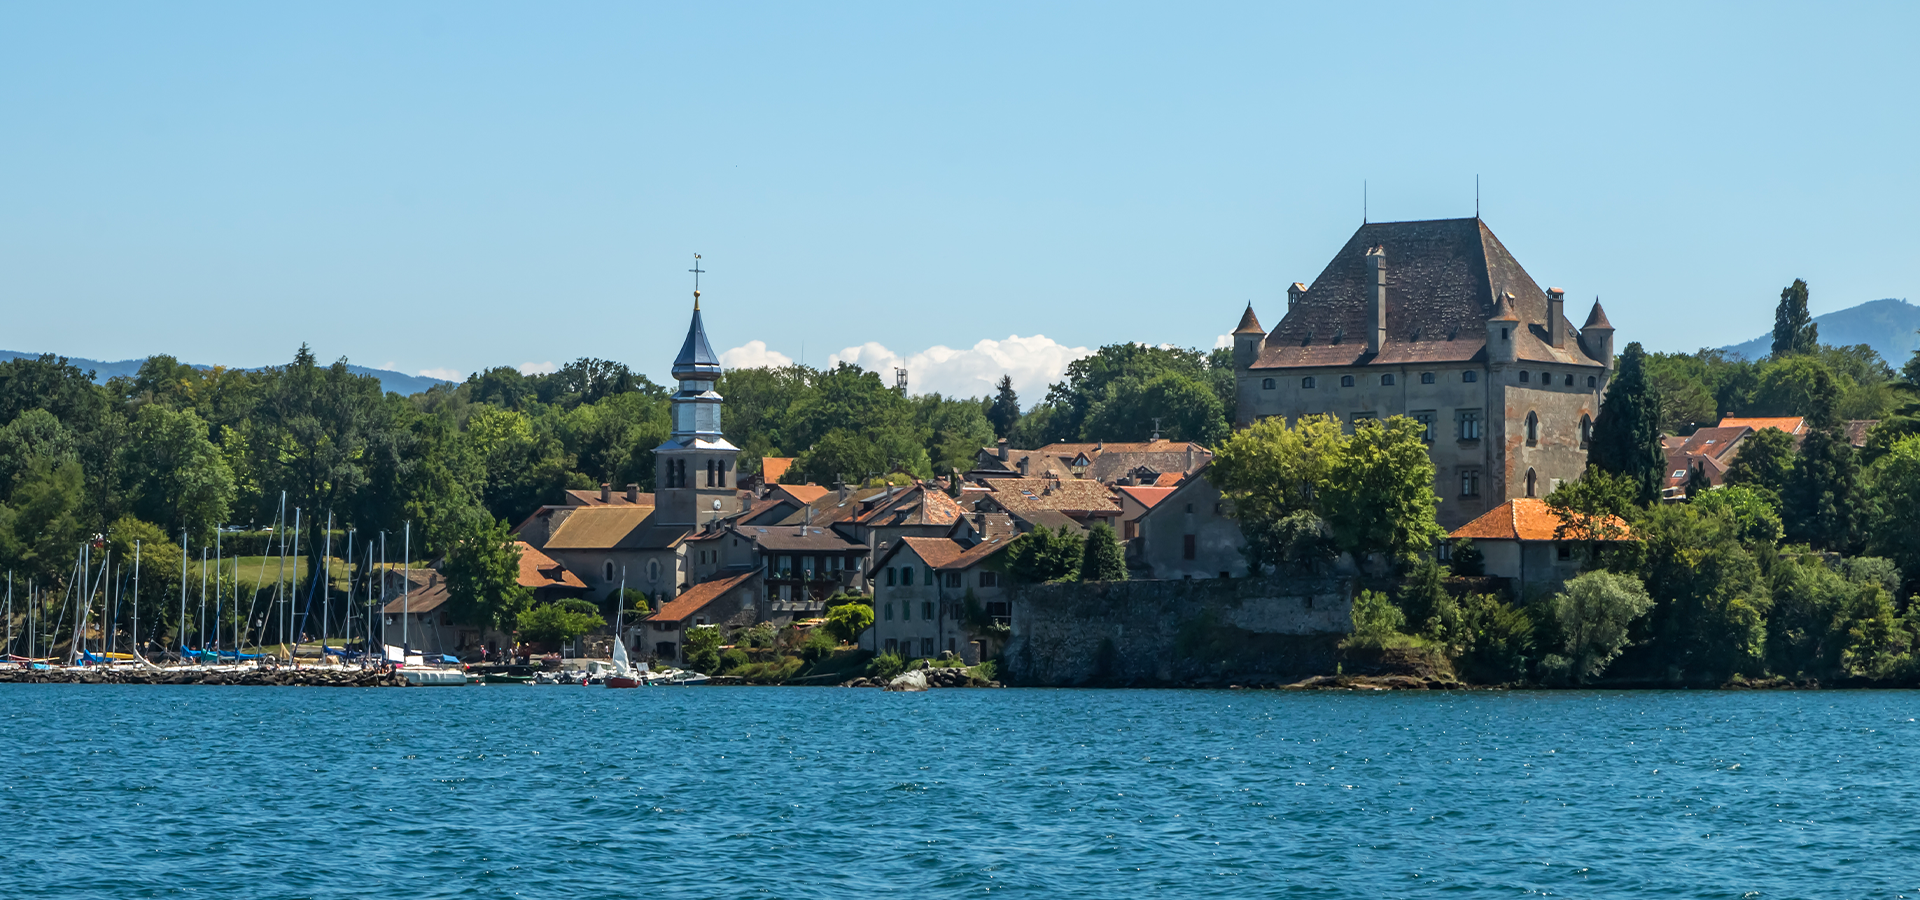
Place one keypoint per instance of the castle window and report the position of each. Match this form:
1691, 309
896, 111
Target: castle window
1586, 431
1266, 384
1524, 375
1469, 377
1425, 419
606, 570
1306, 383
1386, 381
1546, 378
1469, 483
1346, 381
1592, 381
1533, 431
1426, 377
1468, 421
1530, 482
889, 615
1569, 381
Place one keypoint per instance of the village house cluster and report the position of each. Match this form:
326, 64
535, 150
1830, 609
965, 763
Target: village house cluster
1433, 320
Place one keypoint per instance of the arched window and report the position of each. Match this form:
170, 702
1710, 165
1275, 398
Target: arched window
606, 570
1530, 482
1306, 383
1524, 375
1533, 431
1569, 381
1586, 430
1469, 377
1426, 377
1346, 381
1592, 381
1386, 381
1266, 384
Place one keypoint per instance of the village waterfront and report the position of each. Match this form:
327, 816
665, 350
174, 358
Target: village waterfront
804, 792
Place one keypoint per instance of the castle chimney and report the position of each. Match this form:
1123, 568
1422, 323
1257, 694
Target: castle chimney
606, 492
1189, 456
1556, 317
1003, 449
633, 493
844, 491
1023, 466
1377, 305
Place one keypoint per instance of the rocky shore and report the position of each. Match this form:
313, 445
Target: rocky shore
253, 677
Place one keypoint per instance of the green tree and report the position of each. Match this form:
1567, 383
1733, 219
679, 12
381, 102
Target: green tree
1496, 639
1431, 610
1793, 327
1823, 504
1379, 493
158, 589
1626, 437
42, 526
483, 577
1798, 385
846, 621
1004, 412
1685, 391
1592, 616
1092, 380
1592, 508
1893, 489
560, 621
702, 650
1765, 462
1271, 475
956, 428
34, 434
1184, 405
1044, 555
1710, 600
1755, 520
1376, 619
1103, 560
173, 475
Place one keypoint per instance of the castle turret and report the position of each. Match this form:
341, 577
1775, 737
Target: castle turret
1503, 330
1596, 337
1247, 338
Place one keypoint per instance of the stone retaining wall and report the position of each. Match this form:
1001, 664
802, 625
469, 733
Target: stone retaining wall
1243, 630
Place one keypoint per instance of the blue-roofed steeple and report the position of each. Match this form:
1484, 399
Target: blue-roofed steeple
695, 476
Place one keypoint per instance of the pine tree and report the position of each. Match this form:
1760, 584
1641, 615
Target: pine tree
1793, 328
1823, 504
1103, 560
1626, 437
1005, 409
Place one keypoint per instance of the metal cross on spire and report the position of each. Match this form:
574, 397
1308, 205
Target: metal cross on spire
696, 270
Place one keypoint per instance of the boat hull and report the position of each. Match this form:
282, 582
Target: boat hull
621, 681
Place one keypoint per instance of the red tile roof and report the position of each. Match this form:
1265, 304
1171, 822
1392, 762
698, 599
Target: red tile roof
1146, 496
538, 570
1522, 519
1788, 424
697, 597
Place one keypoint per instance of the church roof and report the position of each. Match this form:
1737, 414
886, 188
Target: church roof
696, 355
1443, 278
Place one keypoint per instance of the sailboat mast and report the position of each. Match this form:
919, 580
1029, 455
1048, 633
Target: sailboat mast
136, 598
326, 585
286, 603
406, 581
216, 591
183, 595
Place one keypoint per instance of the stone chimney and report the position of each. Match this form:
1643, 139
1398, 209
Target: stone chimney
1557, 317
1023, 466
1295, 291
844, 491
1377, 301
1003, 449
633, 493
606, 492
1189, 456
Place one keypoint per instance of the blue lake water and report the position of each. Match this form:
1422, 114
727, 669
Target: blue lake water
560, 792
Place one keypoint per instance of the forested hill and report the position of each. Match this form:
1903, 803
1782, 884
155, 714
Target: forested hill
1885, 325
395, 382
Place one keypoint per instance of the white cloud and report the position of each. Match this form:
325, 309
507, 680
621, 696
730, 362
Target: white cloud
443, 374
538, 368
754, 355
1225, 340
1033, 362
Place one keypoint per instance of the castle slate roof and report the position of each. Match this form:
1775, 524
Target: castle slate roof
1444, 277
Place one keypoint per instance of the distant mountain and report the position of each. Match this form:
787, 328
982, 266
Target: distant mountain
1888, 325
393, 382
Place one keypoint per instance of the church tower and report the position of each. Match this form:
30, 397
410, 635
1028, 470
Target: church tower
696, 468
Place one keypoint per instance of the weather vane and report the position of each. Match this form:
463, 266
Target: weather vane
696, 270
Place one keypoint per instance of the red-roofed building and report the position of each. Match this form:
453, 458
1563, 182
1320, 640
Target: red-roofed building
922, 587
1522, 540
1704, 455
722, 602
1134, 502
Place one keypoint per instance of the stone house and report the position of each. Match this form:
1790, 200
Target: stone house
1051, 501
732, 602
922, 591
1189, 533
1519, 540
416, 615
1106, 463
1436, 320
1135, 500
800, 566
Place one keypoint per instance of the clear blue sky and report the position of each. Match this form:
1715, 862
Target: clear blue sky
460, 185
